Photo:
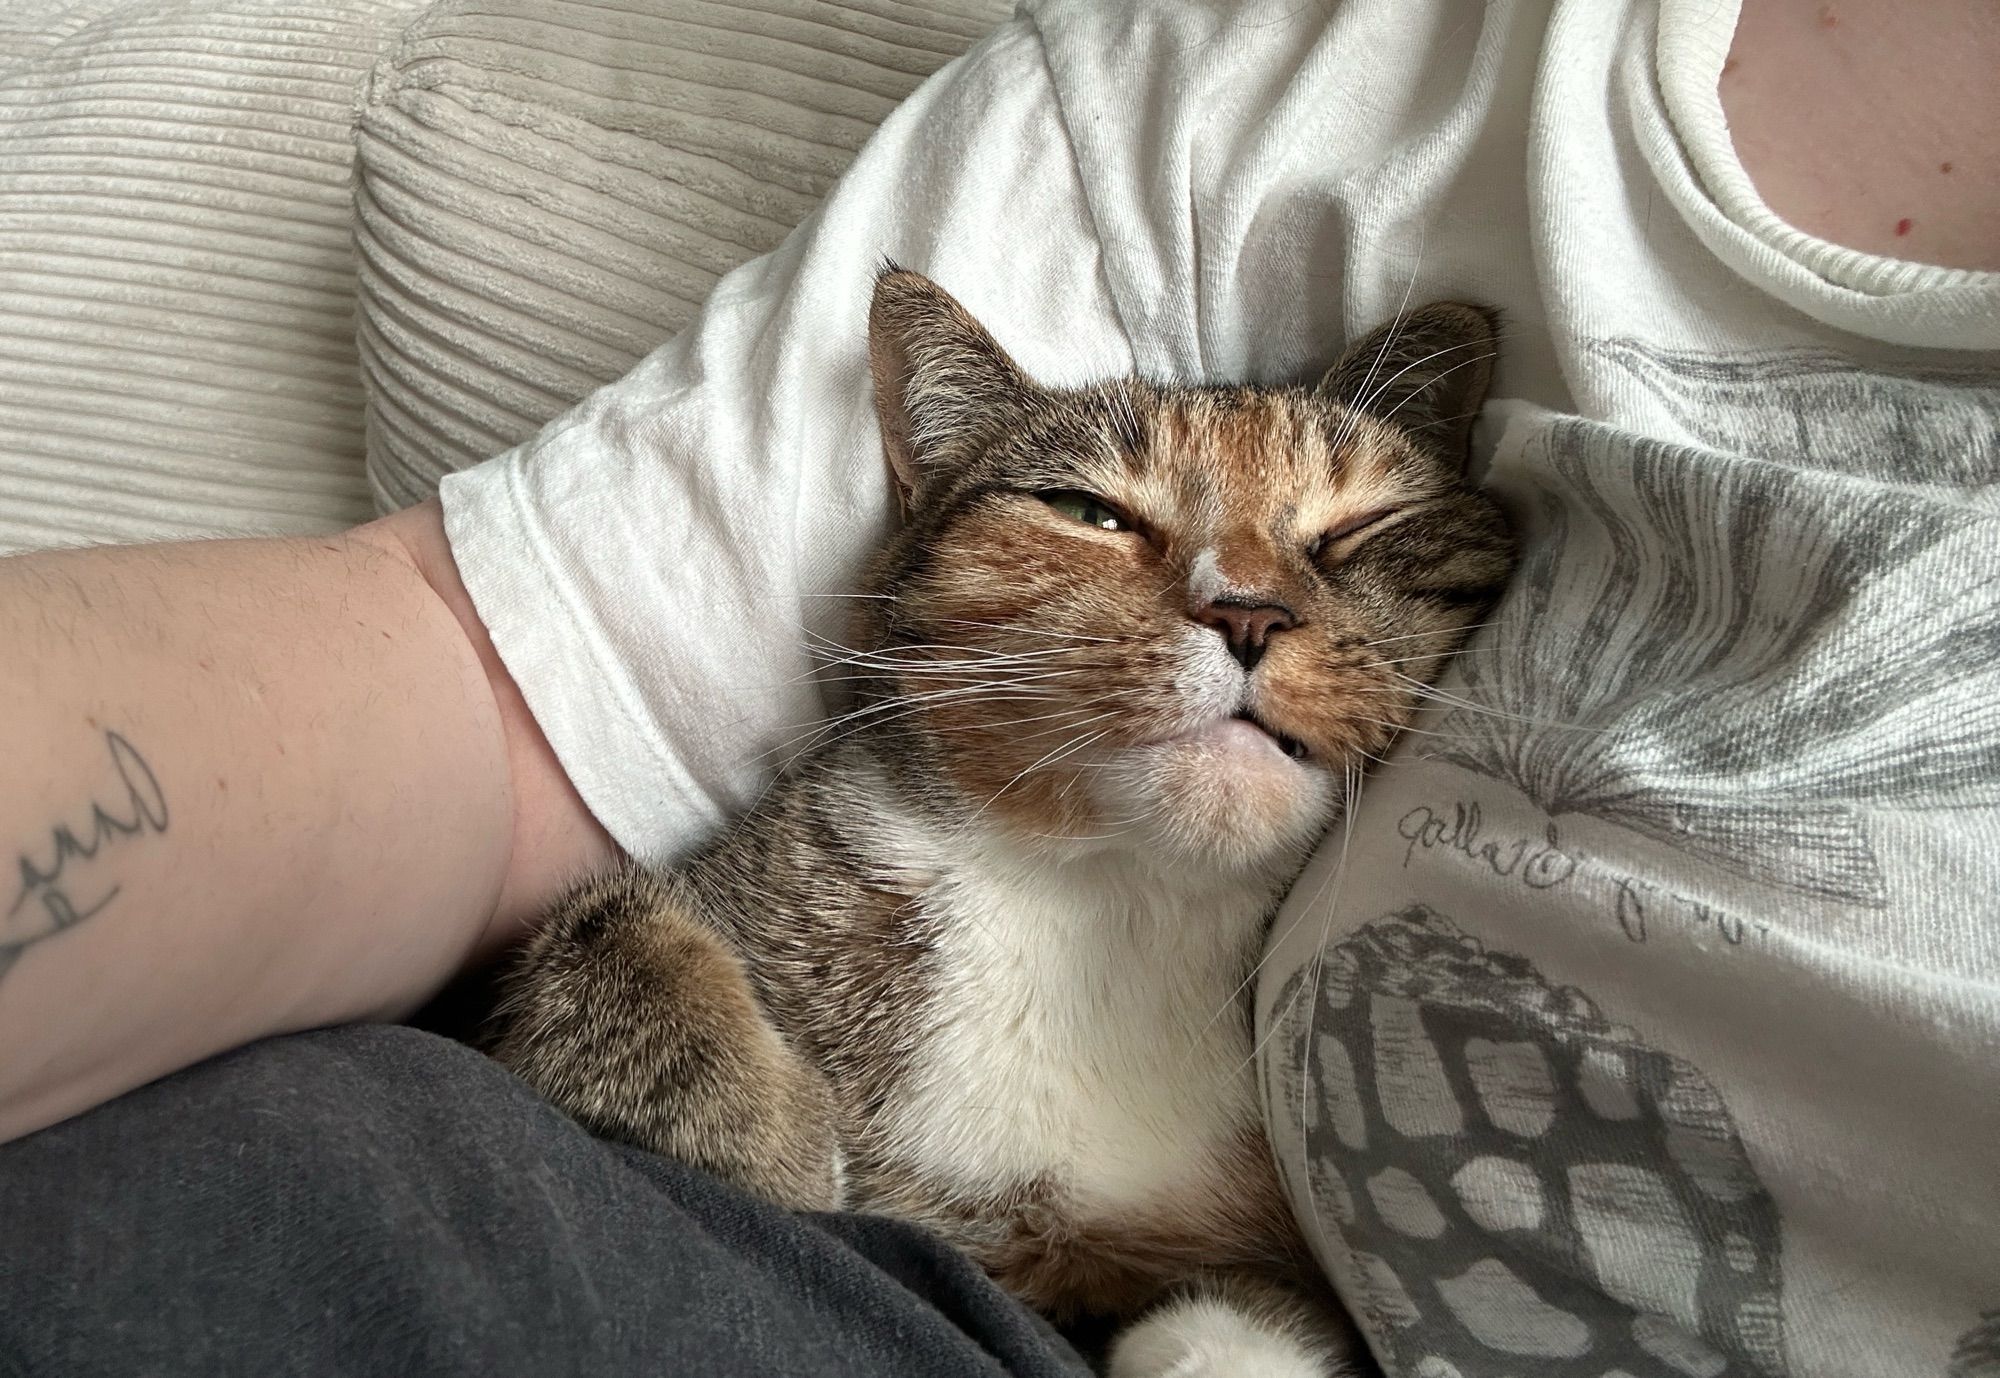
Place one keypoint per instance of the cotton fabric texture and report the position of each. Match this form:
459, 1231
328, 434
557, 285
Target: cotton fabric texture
1642, 1016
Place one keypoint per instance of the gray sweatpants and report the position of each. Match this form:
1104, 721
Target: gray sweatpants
383, 1201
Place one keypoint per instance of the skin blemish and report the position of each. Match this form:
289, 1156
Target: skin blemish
1729, 66
1827, 18
222, 784
1903, 225
1944, 167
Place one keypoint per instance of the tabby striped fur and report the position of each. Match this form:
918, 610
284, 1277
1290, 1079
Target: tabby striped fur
983, 959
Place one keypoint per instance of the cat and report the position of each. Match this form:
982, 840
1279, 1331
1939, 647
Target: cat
983, 960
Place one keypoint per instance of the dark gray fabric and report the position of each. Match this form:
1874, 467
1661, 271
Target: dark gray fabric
383, 1201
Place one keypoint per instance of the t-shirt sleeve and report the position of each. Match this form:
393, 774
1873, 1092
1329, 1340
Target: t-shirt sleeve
654, 565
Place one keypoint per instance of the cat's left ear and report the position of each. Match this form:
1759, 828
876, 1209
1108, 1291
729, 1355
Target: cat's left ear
1427, 372
940, 379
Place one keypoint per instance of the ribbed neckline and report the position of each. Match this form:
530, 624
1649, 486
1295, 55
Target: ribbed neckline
1673, 84
1693, 43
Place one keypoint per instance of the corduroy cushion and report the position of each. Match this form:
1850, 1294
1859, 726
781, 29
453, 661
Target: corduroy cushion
176, 266
547, 189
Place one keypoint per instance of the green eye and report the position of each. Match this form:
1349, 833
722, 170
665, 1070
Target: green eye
1082, 507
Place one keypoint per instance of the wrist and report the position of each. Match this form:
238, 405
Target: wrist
554, 839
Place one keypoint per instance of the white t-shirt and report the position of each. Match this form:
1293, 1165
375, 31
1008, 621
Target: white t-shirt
1644, 1017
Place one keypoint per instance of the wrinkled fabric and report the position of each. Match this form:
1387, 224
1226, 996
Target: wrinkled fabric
1643, 1014
379, 1201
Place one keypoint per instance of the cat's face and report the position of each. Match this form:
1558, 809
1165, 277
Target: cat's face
1176, 620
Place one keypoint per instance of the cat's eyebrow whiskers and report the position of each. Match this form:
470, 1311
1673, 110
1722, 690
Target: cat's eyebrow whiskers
1351, 422
1386, 383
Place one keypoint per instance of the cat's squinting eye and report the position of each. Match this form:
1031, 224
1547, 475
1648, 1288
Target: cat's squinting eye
1087, 508
1353, 526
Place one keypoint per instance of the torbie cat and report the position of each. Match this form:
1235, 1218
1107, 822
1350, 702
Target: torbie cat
984, 959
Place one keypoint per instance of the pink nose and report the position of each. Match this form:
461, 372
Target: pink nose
1246, 625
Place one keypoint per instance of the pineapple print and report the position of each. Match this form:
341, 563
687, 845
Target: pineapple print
1518, 1185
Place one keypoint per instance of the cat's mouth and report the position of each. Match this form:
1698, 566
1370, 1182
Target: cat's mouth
1291, 746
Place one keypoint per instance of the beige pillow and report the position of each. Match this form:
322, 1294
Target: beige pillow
548, 188
176, 266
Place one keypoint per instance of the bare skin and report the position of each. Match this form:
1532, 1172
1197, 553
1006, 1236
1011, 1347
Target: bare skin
258, 786
1874, 123
270, 785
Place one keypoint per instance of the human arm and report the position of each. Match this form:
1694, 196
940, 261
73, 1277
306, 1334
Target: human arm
643, 565
253, 786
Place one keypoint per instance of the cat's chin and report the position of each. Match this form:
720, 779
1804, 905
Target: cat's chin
1225, 794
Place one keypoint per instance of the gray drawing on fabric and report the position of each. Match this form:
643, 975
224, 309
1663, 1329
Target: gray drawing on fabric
1977, 1354
1737, 658
1521, 1185
1929, 423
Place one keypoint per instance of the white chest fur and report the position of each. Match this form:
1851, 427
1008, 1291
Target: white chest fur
1089, 1028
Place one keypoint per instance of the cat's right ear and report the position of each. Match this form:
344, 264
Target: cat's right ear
1428, 371
939, 377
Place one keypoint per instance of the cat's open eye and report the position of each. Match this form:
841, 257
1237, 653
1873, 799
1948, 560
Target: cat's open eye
1352, 526
1087, 508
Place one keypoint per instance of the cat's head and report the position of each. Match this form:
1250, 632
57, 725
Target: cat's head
1179, 620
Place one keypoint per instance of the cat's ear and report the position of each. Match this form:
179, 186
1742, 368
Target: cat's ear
1426, 372
939, 377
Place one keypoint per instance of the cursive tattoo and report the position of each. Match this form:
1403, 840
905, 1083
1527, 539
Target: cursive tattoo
48, 900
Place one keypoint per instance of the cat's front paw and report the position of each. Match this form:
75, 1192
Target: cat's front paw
1206, 1337
638, 1020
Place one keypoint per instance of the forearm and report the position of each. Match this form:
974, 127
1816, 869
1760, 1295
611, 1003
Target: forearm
251, 787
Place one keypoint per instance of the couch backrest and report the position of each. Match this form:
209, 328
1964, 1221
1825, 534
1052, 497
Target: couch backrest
547, 189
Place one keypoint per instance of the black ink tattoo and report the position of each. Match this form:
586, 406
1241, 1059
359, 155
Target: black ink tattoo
47, 902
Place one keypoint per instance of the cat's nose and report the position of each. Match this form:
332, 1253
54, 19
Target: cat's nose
1247, 625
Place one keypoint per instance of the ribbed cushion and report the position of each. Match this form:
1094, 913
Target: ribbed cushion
548, 189
176, 266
